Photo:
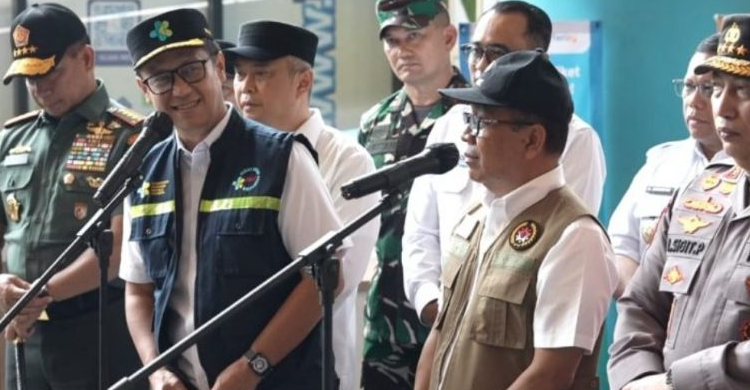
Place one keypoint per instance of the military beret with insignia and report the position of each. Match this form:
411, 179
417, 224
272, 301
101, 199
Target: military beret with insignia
39, 37
410, 14
181, 28
268, 40
733, 54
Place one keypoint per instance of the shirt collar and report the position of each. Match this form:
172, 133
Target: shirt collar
91, 108
526, 195
212, 136
312, 127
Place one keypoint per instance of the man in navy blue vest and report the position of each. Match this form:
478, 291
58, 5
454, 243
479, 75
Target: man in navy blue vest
225, 203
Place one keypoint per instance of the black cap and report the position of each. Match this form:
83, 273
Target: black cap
171, 30
228, 65
522, 80
733, 54
267, 40
39, 37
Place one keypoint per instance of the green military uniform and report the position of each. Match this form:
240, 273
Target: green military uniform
393, 333
50, 170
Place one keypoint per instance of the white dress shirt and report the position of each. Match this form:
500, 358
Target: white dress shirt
340, 160
669, 166
436, 202
306, 214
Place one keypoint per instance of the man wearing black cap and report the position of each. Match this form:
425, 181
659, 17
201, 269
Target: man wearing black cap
431, 215
53, 160
274, 63
684, 320
417, 39
226, 202
528, 278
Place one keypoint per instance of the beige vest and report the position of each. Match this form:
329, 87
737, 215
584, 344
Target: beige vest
492, 336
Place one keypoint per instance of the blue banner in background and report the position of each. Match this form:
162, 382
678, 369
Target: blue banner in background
576, 51
319, 16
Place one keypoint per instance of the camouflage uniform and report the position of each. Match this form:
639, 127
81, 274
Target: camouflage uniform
393, 334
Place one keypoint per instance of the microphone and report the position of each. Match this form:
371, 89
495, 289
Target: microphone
156, 127
436, 158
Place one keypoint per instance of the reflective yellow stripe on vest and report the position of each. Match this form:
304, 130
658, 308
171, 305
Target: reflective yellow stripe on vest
248, 202
151, 209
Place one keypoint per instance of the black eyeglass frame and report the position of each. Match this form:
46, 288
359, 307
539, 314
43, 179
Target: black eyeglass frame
177, 71
476, 124
476, 51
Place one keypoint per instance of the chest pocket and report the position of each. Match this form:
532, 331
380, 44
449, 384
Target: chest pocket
244, 248
15, 186
448, 278
498, 316
155, 243
677, 278
735, 319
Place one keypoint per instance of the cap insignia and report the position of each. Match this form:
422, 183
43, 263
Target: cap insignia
161, 30
524, 235
733, 34
21, 36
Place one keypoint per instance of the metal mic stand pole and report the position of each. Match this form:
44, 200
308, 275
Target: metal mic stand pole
314, 255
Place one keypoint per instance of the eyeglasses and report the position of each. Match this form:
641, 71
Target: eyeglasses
685, 89
490, 53
163, 82
477, 124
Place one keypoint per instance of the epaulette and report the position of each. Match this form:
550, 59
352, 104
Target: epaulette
22, 118
126, 115
657, 150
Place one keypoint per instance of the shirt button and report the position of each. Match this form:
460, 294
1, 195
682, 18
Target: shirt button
148, 231
238, 226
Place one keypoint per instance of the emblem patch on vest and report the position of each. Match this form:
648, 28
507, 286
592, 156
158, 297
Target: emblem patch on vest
708, 205
524, 235
247, 180
710, 182
153, 188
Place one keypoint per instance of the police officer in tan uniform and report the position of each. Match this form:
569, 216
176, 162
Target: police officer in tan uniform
684, 320
51, 162
515, 313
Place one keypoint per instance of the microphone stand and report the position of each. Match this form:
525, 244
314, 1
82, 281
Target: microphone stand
96, 234
325, 270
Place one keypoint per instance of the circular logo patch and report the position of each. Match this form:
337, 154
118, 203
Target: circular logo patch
247, 180
524, 235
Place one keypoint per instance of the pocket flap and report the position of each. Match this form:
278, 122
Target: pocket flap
16, 178
678, 275
506, 285
738, 289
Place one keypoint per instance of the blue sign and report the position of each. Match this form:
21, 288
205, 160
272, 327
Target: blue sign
319, 16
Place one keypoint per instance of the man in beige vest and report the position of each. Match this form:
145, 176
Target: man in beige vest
529, 272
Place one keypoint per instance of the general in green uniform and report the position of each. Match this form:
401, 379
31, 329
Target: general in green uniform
392, 130
53, 160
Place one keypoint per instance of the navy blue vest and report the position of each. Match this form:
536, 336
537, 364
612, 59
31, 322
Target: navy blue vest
238, 243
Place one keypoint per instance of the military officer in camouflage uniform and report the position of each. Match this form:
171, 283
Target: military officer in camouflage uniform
417, 38
684, 320
53, 160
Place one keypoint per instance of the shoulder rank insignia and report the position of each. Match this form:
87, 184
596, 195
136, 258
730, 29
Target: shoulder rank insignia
22, 119
673, 275
693, 223
709, 205
126, 115
524, 235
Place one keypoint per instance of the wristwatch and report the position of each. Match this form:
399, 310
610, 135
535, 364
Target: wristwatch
258, 363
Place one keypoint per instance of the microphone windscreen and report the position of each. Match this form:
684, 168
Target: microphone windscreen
446, 154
